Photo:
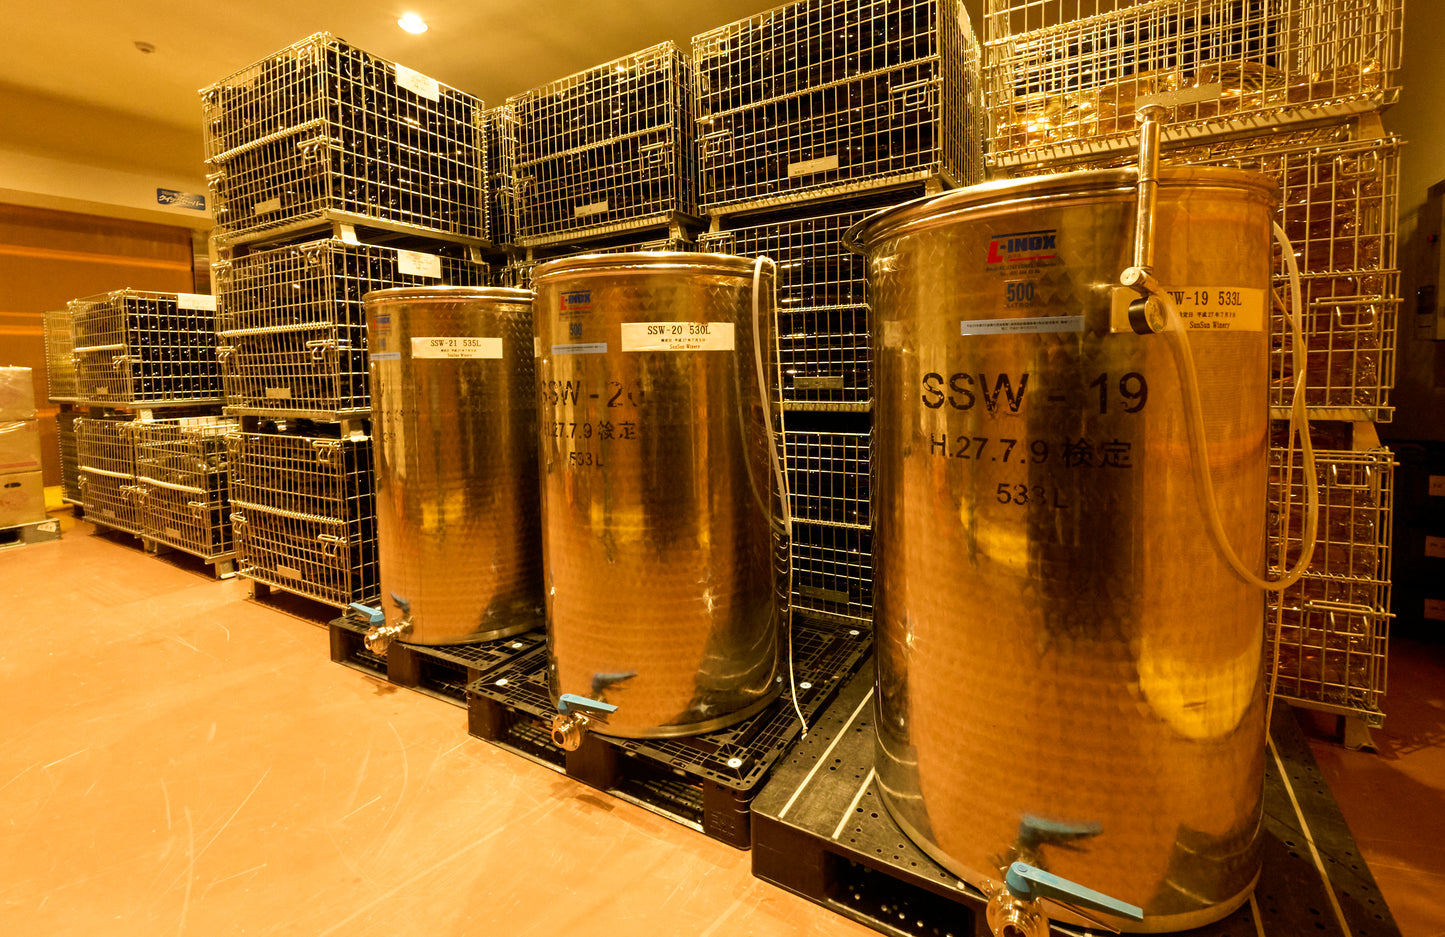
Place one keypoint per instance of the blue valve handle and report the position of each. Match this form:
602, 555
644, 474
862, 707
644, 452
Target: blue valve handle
568, 703
401, 603
372, 616
1030, 884
601, 681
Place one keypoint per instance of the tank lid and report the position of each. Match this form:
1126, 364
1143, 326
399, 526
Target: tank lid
645, 262
449, 293
931, 209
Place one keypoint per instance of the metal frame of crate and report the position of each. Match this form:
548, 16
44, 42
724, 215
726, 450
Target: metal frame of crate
518, 273
1064, 78
606, 150
501, 129
828, 479
59, 356
1333, 625
833, 571
322, 131
292, 327
304, 510
825, 97
105, 456
65, 420
822, 295
182, 484
136, 349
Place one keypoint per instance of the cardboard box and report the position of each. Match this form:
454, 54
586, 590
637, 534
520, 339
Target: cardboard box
17, 394
22, 498
19, 446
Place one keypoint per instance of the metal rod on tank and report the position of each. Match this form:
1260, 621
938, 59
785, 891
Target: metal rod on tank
1149, 125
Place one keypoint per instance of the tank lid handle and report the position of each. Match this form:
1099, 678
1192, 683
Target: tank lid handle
1027, 883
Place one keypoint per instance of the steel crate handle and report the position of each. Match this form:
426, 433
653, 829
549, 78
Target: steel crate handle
198, 509
330, 543
1367, 485
1363, 322
320, 346
119, 360
1332, 608
325, 450
224, 351
238, 519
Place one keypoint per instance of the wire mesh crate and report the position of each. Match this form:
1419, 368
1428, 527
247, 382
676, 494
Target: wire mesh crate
109, 501
59, 356
292, 327
1067, 76
65, 421
304, 510
136, 349
518, 274
828, 477
182, 484
822, 97
833, 570
607, 149
105, 454
325, 131
1333, 624
501, 128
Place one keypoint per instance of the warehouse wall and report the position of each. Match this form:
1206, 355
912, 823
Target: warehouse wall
49, 257
1420, 365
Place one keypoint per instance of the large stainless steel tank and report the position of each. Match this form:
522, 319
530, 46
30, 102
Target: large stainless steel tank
1069, 674
454, 422
656, 490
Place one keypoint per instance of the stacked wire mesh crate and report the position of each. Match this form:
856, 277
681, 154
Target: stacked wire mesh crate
1292, 89
61, 389
602, 161
334, 173
809, 117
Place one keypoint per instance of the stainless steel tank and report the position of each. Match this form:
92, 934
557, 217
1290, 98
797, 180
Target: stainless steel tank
454, 424
656, 492
1069, 674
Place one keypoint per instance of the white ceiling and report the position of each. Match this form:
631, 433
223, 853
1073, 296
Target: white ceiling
73, 83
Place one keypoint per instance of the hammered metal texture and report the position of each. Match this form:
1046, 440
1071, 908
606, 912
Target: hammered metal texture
1058, 639
656, 493
459, 539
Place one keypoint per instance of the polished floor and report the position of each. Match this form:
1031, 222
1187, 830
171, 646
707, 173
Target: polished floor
180, 759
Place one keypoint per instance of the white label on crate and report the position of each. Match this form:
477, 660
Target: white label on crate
1435, 609
417, 264
586, 211
1435, 546
1208, 92
278, 393
173, 532
1437, 486
1016, 326
290, 572
1213, 308
829, 382
107, 512
585, 348
456, 347
196, 301
677, 336
418, 84
270, 205
809, 166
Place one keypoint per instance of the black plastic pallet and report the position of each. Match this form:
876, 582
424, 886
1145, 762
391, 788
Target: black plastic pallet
444, 672
821, 832
706, 781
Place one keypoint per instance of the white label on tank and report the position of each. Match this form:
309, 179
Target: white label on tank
196, 301
585, 348
1213, 308
1017, 326
1435, 546
270, 205
536, 347
456, 347
278, 393
1208, 92
677, 336
412, 263
290, 572
1437, 486
586, 211
809, 166
418, 84
892, 334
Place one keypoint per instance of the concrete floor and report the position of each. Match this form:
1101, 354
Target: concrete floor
182, 759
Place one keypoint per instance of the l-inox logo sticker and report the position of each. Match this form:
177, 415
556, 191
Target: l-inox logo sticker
1023, 245
576, 302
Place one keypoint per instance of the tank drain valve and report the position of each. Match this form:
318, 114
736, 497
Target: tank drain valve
574, 713
379, 636
1016, 909
372, 616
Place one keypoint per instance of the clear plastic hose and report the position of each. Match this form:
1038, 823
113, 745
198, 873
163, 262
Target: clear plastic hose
773, 443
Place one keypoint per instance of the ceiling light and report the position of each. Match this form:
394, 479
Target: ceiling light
412, 23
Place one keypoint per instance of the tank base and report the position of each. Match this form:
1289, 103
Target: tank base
477, 637
692, 728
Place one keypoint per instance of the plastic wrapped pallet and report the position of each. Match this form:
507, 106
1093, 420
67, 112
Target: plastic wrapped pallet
19, 446
22, 499
17, 394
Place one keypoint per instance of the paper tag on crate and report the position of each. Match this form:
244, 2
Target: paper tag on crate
677, 336
1437, 486
1194, 95
1435, 546
196, 301
413, 263
587, 211
266, 207
452, 346
418, 84
278, 393
809, 166
290, 572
